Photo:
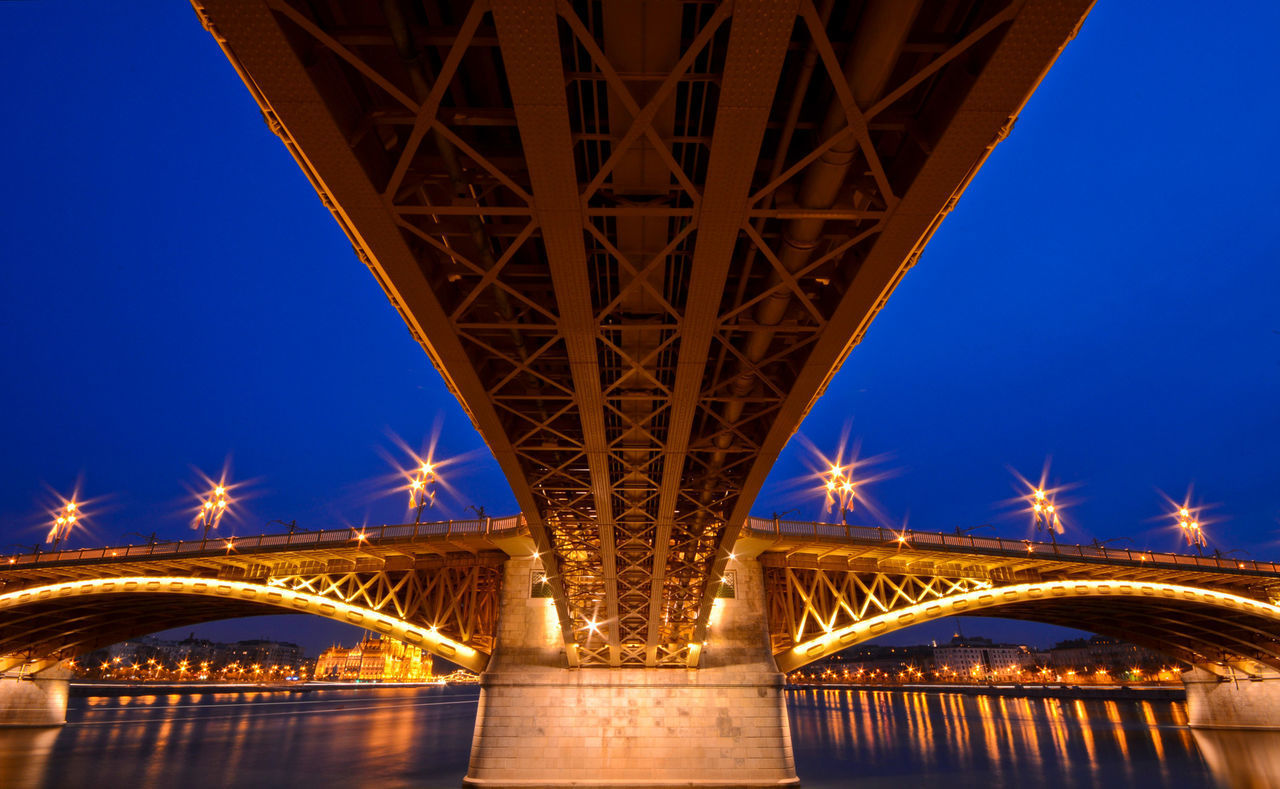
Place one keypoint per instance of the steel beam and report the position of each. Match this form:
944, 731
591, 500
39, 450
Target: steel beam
1032, 43
759, 33
528, 34
284, 90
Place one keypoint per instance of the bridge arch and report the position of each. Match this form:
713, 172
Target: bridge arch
1194, 624
44, 624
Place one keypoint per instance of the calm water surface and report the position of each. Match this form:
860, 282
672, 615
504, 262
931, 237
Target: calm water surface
421, 737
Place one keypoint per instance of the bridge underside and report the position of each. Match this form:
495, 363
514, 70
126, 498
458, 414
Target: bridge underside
434, 586
638, 238
815, 613
47, 632
1192, 632
43, 625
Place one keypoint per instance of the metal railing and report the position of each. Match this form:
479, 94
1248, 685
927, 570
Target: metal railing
1002, 547
372, 535
513, 524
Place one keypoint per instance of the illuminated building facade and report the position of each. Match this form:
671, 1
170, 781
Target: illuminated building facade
374, 660
981, 657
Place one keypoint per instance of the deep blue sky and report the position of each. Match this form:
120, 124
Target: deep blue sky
173, 294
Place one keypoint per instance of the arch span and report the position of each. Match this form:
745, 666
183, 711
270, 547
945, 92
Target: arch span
1190, 623
57, 621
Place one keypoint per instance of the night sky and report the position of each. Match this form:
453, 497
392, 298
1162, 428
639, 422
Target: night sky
174, 298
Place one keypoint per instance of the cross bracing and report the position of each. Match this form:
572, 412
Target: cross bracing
831, 586
637, 238
433, 585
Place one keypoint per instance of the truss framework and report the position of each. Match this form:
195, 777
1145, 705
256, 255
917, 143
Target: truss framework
447, 604
814, 612
805, 604
634, 258
460, 603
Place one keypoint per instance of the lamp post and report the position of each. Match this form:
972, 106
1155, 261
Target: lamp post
1102, 544
211, 510
64, 521
1191, 531
150, 538
292, 525
422, 491
839, 483
1046, 514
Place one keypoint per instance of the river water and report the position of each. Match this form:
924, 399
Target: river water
392, 737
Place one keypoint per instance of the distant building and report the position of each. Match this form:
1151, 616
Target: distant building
374, 659
261, 652
202, 652
980, 657
875, 658
1089, 654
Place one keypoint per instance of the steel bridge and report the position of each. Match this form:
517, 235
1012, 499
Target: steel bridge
638, 238
432, 585
827, 587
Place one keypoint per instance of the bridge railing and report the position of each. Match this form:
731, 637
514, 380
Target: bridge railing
1001, 546
297, 539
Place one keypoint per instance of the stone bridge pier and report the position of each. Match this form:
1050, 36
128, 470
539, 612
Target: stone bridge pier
1231, 698
540, 724
33, 699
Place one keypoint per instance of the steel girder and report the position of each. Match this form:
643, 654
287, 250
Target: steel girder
637, 239
814, 612
450, 610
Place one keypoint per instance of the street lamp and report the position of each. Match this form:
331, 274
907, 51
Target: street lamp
150, 538
211, 510
839, 483
422, 490
1191, 531
64, 521
1046, 514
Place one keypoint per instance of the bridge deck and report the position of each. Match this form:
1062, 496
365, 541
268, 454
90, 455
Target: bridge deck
778, 543
637, 239
836, 546
409, 545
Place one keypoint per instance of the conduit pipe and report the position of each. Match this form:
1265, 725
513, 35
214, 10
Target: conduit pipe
419, 75
882, 31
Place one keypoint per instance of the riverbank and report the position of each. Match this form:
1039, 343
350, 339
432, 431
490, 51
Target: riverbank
1100, 692
80, 689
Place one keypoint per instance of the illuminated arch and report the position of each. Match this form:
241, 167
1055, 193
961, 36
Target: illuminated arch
203, 599
1168, 604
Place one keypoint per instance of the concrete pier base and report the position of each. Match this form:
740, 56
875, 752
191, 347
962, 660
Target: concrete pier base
543, 725
34, 701
1238, 701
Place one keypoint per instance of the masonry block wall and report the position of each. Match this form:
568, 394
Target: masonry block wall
1242, 703
540, 724
38, 701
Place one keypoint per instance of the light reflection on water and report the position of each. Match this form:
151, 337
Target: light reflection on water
370, 737
871, 739
421, 737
